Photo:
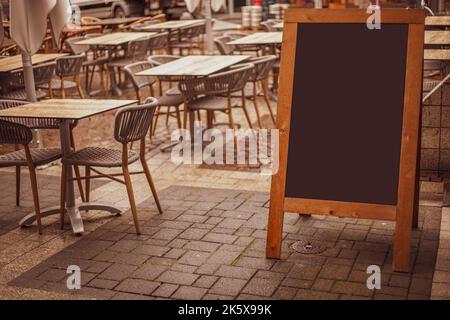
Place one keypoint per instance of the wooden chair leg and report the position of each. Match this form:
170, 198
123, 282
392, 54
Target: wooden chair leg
88, 183
177, 110
168, 115
80, 90
34, 188
63, 195
230, 113
149, 176
255, 103
18, 186
63, 91
265, 86
50, 90
158, 111
127, 178
244, 107
185, 114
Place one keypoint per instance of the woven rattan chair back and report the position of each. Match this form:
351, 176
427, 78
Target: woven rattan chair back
42, 75
139, 81
158, 42
69, 66
137, 49
14, 133
263, 66
221, 83
223, 47
132, 123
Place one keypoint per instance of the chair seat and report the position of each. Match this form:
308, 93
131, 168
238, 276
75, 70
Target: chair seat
21, 94
39, 156
173, 91
212, 103
99, 157
429, 84
56, 84
170, 101
248, 91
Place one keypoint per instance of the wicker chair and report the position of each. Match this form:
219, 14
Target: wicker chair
191, 38
131, 124
172, 97
158, 42
18, 134
37, 123
243, 47
15, 83
67, 67
223, 47
137, 50
213, 93
261, 73
97, 61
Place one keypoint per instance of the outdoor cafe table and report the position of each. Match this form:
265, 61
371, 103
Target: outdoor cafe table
111, 41
67, 111
114, 23
172, 26
15, 62
278, 25
259, 38
441, 21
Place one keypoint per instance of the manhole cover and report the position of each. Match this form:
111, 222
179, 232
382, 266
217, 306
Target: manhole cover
309, 246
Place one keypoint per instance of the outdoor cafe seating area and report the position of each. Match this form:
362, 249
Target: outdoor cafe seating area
88, 175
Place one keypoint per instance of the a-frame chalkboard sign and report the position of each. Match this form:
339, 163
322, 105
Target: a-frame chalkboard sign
348, 115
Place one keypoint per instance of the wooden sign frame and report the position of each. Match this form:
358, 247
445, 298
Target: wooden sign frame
402, 213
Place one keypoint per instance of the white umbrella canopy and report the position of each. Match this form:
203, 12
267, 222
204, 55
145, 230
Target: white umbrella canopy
29, 27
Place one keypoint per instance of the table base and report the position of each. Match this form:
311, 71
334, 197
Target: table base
73, 213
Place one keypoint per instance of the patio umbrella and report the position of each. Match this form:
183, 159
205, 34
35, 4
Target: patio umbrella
29, 27
192, 5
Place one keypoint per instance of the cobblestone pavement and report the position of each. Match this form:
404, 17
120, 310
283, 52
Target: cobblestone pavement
209, 243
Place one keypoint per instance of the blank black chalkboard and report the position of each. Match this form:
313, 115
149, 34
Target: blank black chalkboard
347, 110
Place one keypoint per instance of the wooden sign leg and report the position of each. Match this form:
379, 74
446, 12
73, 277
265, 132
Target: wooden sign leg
275, 229
402, 241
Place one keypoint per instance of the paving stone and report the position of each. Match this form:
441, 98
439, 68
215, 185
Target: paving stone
165, 290
205, 281
130, 258
130, 296
322, 284
193, 234
54, 275
177, 278
118, 272
228, 286
138, 286
352, 288
303, 271
195, 258
103, 283
261, 287
284, 293
220, 238
175, 253
334, 272
261, 263
235, 272
149, 271
315, 295
151, 250
189, 293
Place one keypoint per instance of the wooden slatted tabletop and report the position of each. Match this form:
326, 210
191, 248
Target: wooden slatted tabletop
172, 25
437, 37
194, 66
115, 39
113, 21
437, 21
15, 62
259, 38
65, 109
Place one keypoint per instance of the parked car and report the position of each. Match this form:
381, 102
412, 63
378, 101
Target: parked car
110, 8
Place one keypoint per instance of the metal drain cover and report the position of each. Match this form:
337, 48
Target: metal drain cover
309, 246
